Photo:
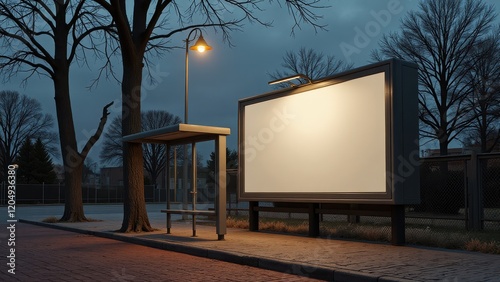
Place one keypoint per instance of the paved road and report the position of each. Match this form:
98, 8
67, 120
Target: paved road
41, 253
46, 254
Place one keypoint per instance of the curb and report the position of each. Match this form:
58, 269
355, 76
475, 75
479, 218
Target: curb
321, 273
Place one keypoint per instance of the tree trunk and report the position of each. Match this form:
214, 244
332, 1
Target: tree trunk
73, 206
135, 216
483, 128
72, 161
443, 147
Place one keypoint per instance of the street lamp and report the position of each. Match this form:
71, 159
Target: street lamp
200, 46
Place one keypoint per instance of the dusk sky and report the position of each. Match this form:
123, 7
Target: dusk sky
219, 78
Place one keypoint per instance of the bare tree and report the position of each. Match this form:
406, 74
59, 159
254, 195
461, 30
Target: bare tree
155, 157
21, 118
44, 38
310, 63
145, 29
154, 154
440, 37
484, 100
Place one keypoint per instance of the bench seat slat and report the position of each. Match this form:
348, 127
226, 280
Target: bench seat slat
196, 212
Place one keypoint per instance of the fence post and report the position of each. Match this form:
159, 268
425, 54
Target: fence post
353, 218
480, 190
473, 213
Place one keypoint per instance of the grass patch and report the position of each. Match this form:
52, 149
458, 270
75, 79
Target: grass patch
356, 231
89, 219
51, 219
288, 226
476, 245
440, 237
237, 223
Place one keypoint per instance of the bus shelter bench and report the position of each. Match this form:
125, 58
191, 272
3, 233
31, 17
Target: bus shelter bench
194, 213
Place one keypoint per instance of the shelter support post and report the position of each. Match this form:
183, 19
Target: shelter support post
193, 183
220, 182
169, 217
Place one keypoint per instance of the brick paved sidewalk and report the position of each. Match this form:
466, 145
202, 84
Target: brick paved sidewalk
47, 254
327, 259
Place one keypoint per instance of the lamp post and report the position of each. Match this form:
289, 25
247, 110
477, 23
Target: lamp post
200, 46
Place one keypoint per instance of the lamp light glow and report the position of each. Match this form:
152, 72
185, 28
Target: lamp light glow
289, 78
201, 45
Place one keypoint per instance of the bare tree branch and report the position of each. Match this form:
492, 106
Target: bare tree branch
36, 36
93, 139
154, 154
21, 117
440, 38
136, 44
311, 63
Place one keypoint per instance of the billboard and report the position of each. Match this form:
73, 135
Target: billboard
348, 138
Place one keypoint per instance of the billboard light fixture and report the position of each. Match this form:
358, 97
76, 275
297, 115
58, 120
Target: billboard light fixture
289, 78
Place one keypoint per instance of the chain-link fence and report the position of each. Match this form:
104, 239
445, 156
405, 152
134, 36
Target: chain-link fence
54, 194
458, 193
442, 193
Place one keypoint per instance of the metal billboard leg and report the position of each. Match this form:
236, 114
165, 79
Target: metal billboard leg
398, 225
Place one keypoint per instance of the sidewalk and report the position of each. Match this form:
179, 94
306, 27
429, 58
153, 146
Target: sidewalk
328, 259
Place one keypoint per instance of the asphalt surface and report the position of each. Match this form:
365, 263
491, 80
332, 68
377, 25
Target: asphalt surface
320, 258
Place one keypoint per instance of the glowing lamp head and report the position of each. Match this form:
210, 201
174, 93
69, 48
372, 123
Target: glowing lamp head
201, 45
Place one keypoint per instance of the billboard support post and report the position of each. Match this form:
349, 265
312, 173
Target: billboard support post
253, 215
313, 220
398, 225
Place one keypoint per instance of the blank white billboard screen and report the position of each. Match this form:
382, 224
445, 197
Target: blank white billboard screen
327, 140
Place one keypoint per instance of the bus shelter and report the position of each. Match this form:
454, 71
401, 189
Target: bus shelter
185, 134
